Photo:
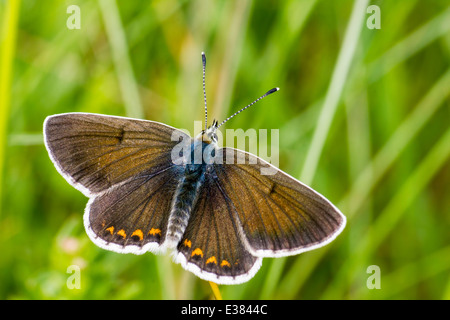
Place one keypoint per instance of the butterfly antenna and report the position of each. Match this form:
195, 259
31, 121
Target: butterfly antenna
204, 89
263, 96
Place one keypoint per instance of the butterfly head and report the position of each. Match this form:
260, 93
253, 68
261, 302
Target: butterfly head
210, 134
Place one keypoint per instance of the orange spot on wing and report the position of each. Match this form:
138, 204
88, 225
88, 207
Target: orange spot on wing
138, 233
197, 252
225, 263
154, 232
122, 233
187, 243
211, 260
110, 229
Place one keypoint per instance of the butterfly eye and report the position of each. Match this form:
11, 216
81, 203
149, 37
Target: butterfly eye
214, 137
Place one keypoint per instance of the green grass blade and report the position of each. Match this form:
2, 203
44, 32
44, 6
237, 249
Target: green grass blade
335, 89
420, 38
121, 58
408, 276
392, 213
418, 180
234, 39
26, 139
373, 172
404, 134
7, 52
329, 107
404, 49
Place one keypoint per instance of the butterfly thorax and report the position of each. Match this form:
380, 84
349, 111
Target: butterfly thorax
202, 149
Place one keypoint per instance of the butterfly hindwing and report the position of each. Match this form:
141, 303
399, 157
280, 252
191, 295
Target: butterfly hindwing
279, 215
132, 217
212, 247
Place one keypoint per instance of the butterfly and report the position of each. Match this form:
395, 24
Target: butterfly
153, 188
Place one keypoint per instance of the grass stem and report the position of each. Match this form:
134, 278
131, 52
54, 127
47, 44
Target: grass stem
8, 39
215, 290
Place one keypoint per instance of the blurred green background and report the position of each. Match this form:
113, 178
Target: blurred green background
363, 116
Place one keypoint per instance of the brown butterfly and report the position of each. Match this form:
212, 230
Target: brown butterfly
217, 213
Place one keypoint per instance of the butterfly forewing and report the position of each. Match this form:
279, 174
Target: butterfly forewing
95, 152
279, 215
212, 246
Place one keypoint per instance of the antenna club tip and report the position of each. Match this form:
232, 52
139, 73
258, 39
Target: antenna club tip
272, 90
203, 53
203, 58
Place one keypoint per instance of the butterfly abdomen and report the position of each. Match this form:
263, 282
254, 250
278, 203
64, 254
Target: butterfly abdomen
183, 201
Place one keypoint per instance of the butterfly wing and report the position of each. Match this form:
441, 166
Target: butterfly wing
212, 246
132, 217
95, 152
125, 167
279, 215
